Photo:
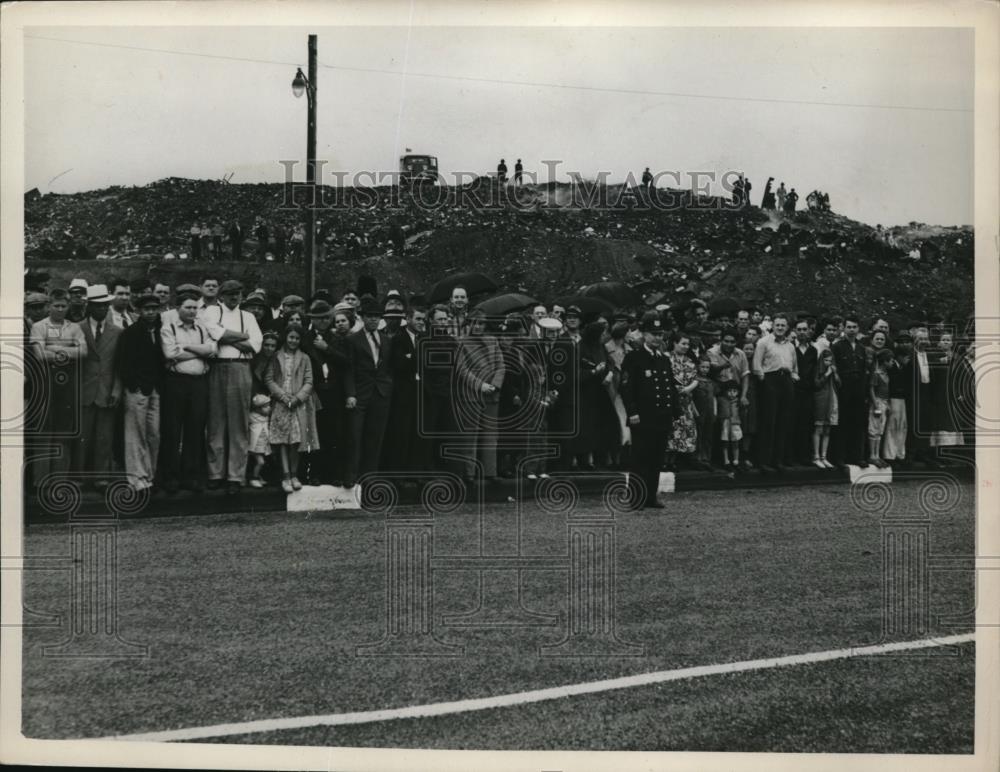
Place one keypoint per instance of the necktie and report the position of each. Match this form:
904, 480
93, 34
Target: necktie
374, 337
124, 320
97, 334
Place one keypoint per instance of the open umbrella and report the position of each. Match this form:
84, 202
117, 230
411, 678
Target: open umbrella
617, 293
588, 305
724, 307
474, 283
507, 303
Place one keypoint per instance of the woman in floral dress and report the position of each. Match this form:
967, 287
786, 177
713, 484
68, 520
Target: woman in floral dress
684, 435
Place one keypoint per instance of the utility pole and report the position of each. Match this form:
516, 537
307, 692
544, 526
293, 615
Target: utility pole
310, 246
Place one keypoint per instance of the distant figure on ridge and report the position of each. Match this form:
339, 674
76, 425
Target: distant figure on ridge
767, 202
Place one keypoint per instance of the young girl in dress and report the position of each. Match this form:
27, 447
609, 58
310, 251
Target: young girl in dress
732, 431
292, 427
260, 409
825, 407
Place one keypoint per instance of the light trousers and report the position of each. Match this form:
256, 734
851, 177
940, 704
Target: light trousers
142, 437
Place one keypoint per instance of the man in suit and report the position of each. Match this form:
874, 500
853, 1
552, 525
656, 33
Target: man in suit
319, 343
368, 386
799, 448
141, 369
852, 360
650, 396
100, 388
405, 454
436, 356
480, 376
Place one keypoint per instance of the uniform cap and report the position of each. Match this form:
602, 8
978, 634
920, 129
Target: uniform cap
651, 322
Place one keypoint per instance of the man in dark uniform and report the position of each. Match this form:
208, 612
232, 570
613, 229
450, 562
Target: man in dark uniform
650, 397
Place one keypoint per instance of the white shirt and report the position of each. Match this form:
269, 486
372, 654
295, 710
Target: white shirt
204, 308
372, 337
119, 320
925, 371
220, 318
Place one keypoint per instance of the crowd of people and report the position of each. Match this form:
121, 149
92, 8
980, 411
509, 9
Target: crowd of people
208, 385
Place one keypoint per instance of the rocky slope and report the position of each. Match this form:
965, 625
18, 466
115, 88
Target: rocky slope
545, 241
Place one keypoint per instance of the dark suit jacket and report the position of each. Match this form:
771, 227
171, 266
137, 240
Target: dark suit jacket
141, 364
438, 355
364, 379
806, 364
99, 381
405, 385
852, 366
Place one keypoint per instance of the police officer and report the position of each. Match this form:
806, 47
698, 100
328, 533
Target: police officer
650, 397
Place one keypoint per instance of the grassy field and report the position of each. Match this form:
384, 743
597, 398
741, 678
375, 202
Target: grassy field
254, 617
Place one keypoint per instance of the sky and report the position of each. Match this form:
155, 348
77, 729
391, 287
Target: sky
879, 118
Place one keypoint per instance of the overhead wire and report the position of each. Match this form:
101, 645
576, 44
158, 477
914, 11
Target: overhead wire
522, 83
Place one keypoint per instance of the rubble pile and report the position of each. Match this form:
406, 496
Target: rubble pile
544, 240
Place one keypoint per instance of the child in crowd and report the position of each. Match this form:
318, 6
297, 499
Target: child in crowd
704, 403
878, 392
260, 409
748, 413
825, 407
729, 419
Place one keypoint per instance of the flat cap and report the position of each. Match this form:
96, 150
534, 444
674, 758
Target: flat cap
293, 300
146, 300
549, 323
230, 285
320, 308
188, 289
35, 298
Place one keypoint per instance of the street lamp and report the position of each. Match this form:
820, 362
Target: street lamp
303, 85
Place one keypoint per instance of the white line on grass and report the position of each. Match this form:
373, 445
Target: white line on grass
537, 695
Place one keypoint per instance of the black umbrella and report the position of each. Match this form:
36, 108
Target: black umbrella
615, 292
474, 283
588, 305
501, 305
724, 307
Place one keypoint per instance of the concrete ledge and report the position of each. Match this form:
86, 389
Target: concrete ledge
313, 498
870, 474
